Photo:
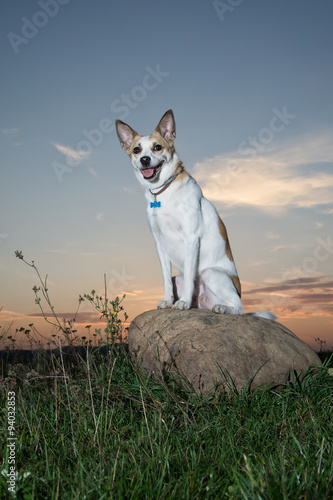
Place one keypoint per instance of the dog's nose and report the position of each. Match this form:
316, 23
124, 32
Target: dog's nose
145, 160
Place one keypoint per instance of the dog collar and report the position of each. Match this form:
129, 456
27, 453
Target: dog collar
156, 204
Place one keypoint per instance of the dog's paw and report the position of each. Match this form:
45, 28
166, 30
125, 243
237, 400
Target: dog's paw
182, 305
164, 304
220, 309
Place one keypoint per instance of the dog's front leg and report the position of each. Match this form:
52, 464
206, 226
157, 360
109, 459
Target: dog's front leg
167, 301
190, 272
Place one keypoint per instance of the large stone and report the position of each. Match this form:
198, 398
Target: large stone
217, 351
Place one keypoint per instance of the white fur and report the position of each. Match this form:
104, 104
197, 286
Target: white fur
185, 228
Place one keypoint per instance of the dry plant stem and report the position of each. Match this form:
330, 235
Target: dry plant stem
46, 296
115, 466
144, 411
67, 393
167, 438
44, 291
90, 391
107, 398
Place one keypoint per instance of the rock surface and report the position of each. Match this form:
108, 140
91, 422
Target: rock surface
217, 351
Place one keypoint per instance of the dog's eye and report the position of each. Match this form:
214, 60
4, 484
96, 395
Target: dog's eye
136, 150
157, 147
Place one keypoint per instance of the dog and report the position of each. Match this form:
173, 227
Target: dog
188, 231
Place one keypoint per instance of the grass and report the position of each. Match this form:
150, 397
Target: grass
100, 428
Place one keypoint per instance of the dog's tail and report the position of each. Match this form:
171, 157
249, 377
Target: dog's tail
263, 314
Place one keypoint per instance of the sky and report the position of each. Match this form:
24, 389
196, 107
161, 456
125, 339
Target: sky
250, 84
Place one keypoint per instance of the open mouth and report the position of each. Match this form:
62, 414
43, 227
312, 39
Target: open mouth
150, 173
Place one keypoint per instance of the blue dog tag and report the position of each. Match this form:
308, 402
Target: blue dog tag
155, 204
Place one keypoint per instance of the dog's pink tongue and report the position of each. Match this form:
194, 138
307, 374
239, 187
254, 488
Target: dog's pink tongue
147, 172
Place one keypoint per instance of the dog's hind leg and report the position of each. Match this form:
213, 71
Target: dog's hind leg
218, 293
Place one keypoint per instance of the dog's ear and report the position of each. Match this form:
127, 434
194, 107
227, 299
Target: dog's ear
125, 134
167, 126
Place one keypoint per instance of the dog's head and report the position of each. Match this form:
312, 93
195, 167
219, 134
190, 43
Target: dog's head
153, 157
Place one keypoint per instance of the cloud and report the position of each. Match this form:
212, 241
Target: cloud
251, 302
256, 263
327, 211
273, 178
272, 236
7, 315
23, 143
315, 297
76, 253
293, 298
281, 248
9, 131
81, 317
328, 310
93, 172
71, 154
293, 284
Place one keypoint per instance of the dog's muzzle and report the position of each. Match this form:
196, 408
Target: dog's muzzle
147, 171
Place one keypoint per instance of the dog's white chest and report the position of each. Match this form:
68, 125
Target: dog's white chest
168, 232
165, 226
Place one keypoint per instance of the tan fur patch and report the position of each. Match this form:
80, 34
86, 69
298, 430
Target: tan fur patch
236, 283
224, 234
158, 139
180, 172
135, 142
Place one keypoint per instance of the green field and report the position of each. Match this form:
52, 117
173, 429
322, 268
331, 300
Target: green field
100, 428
